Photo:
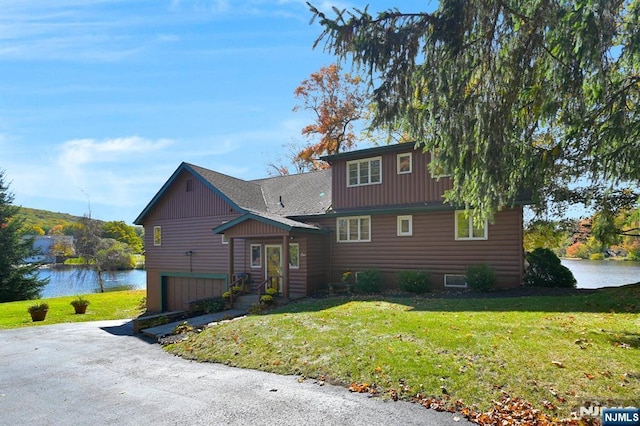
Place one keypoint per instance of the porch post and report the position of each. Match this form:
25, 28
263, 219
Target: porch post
231, 261
285, 266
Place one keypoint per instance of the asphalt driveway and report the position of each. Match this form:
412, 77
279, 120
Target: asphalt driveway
99, 373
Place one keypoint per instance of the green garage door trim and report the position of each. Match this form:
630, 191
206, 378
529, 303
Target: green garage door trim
165, 275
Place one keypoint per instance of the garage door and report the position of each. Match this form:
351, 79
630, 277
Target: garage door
180, 291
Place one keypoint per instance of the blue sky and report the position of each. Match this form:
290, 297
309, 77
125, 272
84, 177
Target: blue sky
101, 100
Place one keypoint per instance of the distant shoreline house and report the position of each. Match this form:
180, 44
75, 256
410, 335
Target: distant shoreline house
45, 244
374, 208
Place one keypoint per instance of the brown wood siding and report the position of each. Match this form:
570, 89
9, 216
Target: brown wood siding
181, 290
433, 247
252, 228
209, 254
317, 262
177, 203
411, 188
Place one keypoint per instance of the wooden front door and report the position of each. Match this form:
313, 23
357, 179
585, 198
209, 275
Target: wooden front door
273, 254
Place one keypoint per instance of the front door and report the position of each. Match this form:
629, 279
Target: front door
273, 254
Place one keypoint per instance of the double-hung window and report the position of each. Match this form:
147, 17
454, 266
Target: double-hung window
364, 172
353, 229
468, 229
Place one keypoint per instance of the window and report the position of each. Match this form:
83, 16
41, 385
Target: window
467, 229
437, 171
455, 281
294, 256
354, 229
364, 172
405, 226
225, 240
157, 235
189, 186
404, 163
256, 255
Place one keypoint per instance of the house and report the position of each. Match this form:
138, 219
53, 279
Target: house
374, 208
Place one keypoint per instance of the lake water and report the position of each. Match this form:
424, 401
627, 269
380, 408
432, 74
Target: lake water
75, 281
72, 281
603, 273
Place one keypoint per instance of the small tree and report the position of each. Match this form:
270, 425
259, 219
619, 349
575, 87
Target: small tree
545, 270
18, 280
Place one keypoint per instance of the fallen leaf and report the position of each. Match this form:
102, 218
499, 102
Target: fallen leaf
557, 364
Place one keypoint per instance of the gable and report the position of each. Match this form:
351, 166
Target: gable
178, 199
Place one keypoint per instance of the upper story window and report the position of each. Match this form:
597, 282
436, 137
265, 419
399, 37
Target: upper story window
364, 172
353, 229
404, 163
467, 229
189, 185
437, 171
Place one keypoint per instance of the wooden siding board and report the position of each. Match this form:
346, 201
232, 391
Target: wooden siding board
177, 203
411, 188
433, 247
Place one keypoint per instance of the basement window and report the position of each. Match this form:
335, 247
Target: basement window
456, 281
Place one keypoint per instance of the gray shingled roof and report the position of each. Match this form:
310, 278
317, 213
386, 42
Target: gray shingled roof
244, 194
297, 195
281, 196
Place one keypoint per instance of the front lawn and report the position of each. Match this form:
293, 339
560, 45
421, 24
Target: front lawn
103, 306
557, 352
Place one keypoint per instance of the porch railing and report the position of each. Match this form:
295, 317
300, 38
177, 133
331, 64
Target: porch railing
262, 287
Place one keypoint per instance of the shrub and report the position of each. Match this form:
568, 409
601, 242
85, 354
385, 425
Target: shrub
545, 270
596, 256
266, 299
369, 281
481, 277
209, 306
271, 291
414, 281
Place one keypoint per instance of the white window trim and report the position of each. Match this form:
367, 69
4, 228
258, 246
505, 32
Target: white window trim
157, 243
359, 240
471, 237
259, 265
297, 266
399, 226
440, 175
363, 160
404, 154
455, 286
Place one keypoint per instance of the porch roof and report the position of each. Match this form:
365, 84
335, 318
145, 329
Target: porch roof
273, 220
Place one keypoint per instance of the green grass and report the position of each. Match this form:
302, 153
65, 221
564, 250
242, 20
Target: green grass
104, 306
564, 350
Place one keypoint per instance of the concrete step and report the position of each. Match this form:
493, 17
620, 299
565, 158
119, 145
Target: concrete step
246, 301
197, 322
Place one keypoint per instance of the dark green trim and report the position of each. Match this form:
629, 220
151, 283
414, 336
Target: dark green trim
163, 282
227, 225
364, 153
391, 210
195, 275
